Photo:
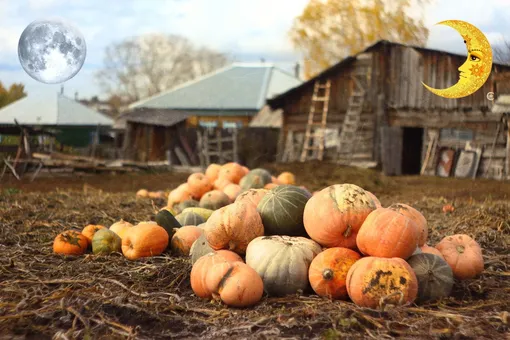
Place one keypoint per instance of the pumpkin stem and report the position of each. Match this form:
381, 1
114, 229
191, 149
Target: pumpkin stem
460, 249
347, 231
327, 274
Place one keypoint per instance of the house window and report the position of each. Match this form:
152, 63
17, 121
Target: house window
232, 125
210, 124
456, 134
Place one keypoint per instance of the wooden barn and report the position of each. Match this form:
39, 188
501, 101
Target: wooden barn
373, 111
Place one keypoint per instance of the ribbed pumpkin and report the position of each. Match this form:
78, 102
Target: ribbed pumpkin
435, 276
431, 250
199, 248
388, 233
203, 212
214, 200
70, 242
333, 216
199, 184
328, 272
189, 218
184, 238
252, 196
90, 230
416, 216
146, 239
255, 179
371, 279
178, 208
105, 242
463, 254
282, 210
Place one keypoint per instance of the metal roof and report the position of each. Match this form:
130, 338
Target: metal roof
267, 118
160, 117
236, 87
51, 109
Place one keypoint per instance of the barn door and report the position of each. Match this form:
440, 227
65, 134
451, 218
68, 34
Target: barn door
391, 150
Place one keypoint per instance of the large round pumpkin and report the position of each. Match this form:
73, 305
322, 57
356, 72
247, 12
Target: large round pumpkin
214, 200
70, 242
333, 217
282, 210
463, 254
184, 238
328, 272
121, 228
372, 281
199, 184
252, 196
282, 262
233, 227
416, 216
388, 233
435, 277
376, 200
105, 242
146, 239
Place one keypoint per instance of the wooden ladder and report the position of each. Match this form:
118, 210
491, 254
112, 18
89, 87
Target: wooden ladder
348, 136
312, 124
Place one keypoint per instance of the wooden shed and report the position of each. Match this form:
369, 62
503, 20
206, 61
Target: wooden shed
400, 124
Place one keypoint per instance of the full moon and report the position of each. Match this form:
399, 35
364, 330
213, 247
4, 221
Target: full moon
51, 51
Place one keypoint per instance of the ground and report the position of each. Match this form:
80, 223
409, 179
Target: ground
45, 296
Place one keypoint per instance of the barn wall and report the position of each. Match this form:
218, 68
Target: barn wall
193, 121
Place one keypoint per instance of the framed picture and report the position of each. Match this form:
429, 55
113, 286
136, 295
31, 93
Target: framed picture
445, 161
467, 163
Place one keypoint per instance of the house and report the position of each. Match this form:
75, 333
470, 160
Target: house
399, 117
228, 97
73, 123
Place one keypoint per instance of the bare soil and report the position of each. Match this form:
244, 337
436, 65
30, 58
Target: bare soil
47, 296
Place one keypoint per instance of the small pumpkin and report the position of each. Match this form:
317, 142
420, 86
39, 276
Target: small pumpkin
282, 262
372, 279
388, 233
166, 220
142, 193
70, 242
431, 250
157, 195
232, 227
221, 183
90, 230
255, 179
214, 200
333, 217
199, 184
184, 238
448, 208
200, 248
121, 228
274, 180
178, 208
233, 172
434, 275
252, 196
234, 283
232, 191
416, 216
146, 239
282, 210
245, 169
376, 200
328, 271
106, 242
463, 254
189, 218
270, 186
286, 177
204, 213
212, 172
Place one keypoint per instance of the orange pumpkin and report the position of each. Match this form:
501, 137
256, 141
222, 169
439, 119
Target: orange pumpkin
214, 200
245, 170
252, 196
142, 193
286, 178
90, 230
235, 283
333, 216
212, 171
183, 239
274, 180
417, 217
232, 191
270, 186
388, 233
121, 228
199, 184
431, 250
371, 280
199, 273
463, 254
179, 194
376, 200
229, 255
232, 227
328, 271
221, 183
157, 194
233, 172
70, 242
146, 239
448, 209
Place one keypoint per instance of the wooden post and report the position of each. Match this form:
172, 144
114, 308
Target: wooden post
234, 145
507, 160
220, 145
380, 121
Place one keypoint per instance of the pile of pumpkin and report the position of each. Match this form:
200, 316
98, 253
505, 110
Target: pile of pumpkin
245, 239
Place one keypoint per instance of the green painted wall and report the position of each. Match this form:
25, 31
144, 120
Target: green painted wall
75, 136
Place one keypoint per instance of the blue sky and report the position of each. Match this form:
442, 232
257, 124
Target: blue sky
245, 29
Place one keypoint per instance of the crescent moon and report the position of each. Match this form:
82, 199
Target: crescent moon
477, 67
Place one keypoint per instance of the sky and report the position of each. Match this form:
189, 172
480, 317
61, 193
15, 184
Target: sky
246, 30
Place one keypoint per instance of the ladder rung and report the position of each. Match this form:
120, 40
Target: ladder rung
313, 147
316, 123
319, 99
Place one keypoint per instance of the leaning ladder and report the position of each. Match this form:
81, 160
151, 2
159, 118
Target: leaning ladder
312, 124
349, 136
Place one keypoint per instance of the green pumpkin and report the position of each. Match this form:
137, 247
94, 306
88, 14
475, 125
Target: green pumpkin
105, 242
166, 220
435, 276
255, 179
199, 248
282, 210
179, 208
189, 218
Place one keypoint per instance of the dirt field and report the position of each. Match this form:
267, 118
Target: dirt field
45, 296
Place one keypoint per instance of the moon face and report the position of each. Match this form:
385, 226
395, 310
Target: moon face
477, 67
51, 51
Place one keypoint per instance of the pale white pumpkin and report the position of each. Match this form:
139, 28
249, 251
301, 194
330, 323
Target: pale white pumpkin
282, 262
199, 248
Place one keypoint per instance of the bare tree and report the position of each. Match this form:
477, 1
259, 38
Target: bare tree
146, 65
501, 52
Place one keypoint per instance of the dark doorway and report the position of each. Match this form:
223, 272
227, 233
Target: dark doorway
411, 150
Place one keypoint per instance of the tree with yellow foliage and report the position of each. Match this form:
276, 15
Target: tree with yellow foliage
330, 30
15, 92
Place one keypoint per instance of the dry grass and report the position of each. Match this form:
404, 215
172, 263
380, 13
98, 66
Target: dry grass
44, 296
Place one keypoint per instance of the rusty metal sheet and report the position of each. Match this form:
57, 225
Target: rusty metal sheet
445, 162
